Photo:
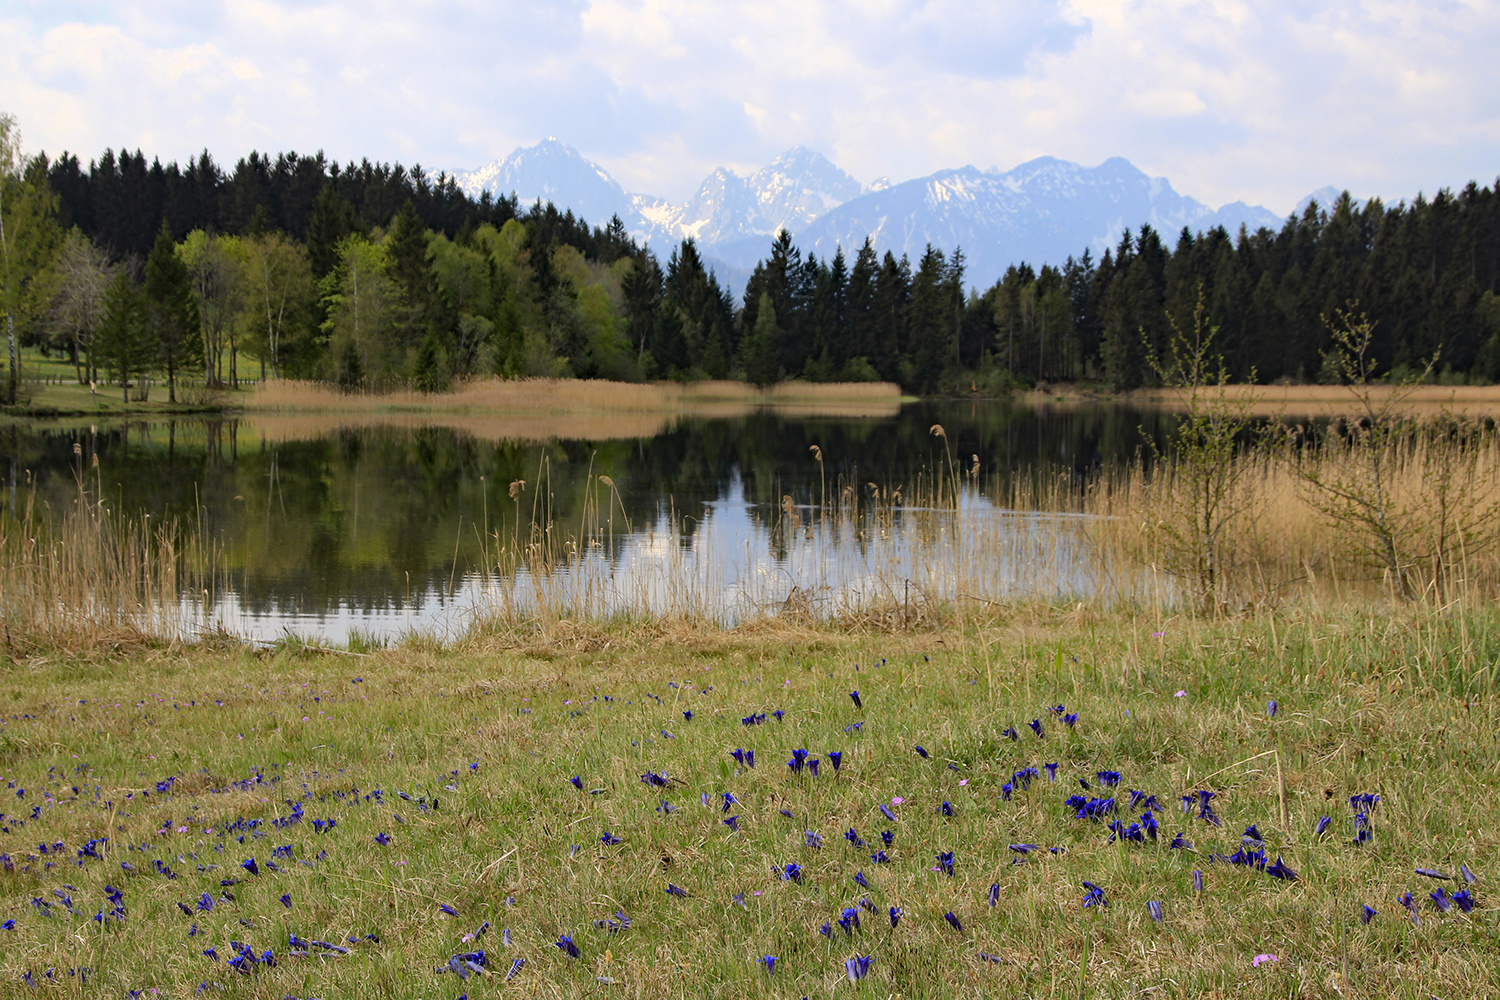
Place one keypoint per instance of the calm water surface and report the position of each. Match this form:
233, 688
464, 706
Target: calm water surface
325, 530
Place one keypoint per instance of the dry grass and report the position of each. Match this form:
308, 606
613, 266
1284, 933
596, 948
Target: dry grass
553, 396
89, 580
1296, 401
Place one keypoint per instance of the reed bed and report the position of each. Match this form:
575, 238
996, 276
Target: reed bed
87, 578
552, 396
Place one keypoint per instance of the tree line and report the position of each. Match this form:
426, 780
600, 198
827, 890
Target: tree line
376, 277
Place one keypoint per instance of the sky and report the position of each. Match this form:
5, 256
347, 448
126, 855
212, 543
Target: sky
1262, 102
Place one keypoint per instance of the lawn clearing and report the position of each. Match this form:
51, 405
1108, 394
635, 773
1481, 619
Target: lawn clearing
395, 803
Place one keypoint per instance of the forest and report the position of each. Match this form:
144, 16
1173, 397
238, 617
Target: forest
377, 277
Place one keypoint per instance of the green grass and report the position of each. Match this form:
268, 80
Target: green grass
484, 741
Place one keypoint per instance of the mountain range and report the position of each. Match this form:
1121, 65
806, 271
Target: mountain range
1041, 211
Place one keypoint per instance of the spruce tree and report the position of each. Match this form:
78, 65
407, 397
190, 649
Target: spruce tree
171, 307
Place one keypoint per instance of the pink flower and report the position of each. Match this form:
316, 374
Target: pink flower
1157, 635
896, 800
1255, 962
1180, 694
962, 782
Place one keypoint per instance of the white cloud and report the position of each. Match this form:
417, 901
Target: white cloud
1262, 101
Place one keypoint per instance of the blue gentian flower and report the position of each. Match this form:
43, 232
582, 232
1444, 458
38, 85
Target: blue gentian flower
826, 930
953, 920
1095, 896
1036, 727
1071, 719
9, 925
1411, 907
835, 757
1022, 848
787, 813
1011, 734
1464, 900
1432, 873
286, 900
382, 838
1198, 881
854, 838
857, 967
859, 880
444, 907
813, 840
1007, 790
886, 812
1252, 835
880, 858
812, 766
1281, 871
738, 755
205, 902
921, 752
1441, 899
687, 716
769, 961
608, 840
1051, 771
888, 837
1366, 914
1271, 708
857, 702
1180, 843
1468, 875
733, 822
946, 808
895, 915
854, 727
945, 862
1108, 778
729, 801
568, 947
792, 872
673, 890
778, 713
250, 866
994, 894
577, 782
1322, 827
1154, 908
849, 920
515, 967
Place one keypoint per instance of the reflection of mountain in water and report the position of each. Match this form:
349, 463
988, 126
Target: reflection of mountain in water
383, 517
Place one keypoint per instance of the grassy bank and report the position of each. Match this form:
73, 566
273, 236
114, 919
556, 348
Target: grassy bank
377, 791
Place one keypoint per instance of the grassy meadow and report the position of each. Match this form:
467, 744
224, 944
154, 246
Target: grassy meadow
374, 787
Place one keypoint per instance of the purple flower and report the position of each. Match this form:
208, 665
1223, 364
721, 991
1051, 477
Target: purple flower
608, 840
922, 752
888, 837
792, 872
994, 894
250, 866
1468, 875
1432, 873
859, 880
946, 808
1322, 827
1441, 899
382, 838
1464, 900
1011, 734
733, 822
1095, 895
729, 800
857, 703
895, 915
885, 811
444, 907
1366, 913
515, 967
1198, 881
286, 900
1154, 908
1036, 727
1051, 771
769, 961
673, 890
857, 967
577, 782
953, 920
1281, 871
1071, 719
812, 839
854, 838
1271, 708
880, 858
945, 862
568, 947
835, 757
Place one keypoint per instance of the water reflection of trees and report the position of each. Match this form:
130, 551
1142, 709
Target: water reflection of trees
377, 518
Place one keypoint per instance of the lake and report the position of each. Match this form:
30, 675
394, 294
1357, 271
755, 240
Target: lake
331, 528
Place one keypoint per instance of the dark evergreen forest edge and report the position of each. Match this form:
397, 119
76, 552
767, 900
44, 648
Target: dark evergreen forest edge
376, 276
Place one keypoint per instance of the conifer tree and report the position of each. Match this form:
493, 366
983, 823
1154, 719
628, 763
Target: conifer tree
171, 308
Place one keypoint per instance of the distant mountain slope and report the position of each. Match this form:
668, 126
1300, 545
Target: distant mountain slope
1041, 211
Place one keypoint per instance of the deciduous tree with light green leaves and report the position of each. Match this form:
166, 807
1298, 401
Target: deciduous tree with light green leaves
28, 239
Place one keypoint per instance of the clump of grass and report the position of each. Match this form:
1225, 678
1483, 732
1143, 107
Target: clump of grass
447, 775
